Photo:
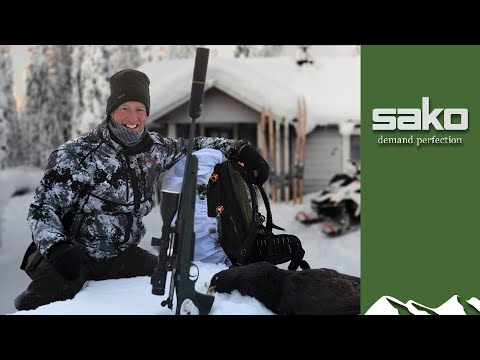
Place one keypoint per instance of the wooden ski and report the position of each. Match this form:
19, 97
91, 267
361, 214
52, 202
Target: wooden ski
273, 173
286, 160
278, 163
302, 146
263, 138
296, 158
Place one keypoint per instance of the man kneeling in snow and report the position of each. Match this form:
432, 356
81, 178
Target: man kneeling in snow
86, 217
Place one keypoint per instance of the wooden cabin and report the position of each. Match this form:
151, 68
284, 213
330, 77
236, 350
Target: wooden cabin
240, 92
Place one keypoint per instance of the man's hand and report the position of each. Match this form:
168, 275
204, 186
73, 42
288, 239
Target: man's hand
254, 161
67, 259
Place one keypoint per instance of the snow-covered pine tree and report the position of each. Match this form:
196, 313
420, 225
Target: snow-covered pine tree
36, 104
181, 51
23, 138
151, 53
109, 52
125, 57
257, 50
241, 51
51, 133
78, 55
44, 107
8, 111
133, 58
267, 50
61, 80
90, 87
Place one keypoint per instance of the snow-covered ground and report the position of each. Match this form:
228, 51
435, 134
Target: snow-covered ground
133, 296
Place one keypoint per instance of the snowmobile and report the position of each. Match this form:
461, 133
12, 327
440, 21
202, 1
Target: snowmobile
338, 205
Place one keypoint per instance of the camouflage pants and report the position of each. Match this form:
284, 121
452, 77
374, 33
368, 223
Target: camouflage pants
48, 285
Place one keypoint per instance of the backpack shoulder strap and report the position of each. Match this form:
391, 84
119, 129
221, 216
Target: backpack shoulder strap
270, 225
251, 235
288, 247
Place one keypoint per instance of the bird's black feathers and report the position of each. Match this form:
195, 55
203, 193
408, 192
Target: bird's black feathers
311, 291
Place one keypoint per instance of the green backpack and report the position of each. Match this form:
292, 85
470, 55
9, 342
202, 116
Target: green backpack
242, 231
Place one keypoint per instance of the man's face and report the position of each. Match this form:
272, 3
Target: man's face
131, 114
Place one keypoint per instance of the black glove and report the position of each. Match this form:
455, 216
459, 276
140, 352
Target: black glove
254, 161
67, 259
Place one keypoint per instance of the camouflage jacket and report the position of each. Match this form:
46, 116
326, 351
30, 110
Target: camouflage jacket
95, 192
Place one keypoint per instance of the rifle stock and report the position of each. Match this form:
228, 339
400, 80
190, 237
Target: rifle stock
177, 244
189, 301
168, 209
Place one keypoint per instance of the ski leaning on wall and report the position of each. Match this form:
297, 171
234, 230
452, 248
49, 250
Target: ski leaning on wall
272, 157
263, 144
299, 156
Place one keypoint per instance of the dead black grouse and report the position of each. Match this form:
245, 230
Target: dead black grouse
311, 291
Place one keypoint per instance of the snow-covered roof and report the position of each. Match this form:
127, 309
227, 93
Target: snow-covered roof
331, 87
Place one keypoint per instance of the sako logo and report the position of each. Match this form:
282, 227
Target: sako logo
419, 119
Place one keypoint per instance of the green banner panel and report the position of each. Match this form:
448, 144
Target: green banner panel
421, 179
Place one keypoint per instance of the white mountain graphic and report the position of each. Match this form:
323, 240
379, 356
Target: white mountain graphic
452, 306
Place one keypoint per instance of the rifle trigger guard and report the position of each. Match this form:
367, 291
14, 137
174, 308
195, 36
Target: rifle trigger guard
195, 276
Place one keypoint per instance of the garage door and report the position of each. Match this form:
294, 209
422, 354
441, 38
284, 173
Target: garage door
323, 157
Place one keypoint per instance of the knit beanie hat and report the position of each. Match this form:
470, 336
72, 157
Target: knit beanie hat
128, 85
